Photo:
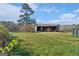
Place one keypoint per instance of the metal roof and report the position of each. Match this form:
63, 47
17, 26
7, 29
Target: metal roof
47, 24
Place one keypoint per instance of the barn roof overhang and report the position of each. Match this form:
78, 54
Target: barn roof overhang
46, 24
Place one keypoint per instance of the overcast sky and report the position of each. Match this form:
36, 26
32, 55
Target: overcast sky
44, 13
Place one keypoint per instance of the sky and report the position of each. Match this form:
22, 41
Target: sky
47, 13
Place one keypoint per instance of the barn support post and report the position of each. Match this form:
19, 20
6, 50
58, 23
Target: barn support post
57, 28
41, 29
35, 28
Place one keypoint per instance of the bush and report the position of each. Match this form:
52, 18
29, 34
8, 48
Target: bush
6, 40
4, 35
19, 50
3, 32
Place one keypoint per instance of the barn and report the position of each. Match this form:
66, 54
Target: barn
46, 28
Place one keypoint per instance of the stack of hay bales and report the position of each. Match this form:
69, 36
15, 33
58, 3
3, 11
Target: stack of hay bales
3, 36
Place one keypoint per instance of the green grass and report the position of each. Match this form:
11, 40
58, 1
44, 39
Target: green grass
49, 43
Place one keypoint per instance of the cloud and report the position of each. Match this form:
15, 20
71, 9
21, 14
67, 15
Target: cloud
77, 18
9, 12
68, 18
53, 21
40, 21
76, 11
49, 10
65, 19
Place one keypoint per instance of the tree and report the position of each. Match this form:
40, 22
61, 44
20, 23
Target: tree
11, 26
26, 12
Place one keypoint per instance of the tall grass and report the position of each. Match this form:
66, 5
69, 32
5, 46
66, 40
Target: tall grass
48, 43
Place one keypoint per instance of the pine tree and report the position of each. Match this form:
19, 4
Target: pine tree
26, 12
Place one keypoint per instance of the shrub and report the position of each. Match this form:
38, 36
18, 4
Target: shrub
7, 48
3, 36
10, 44
7, 41
18, 50
3, 32
0, 50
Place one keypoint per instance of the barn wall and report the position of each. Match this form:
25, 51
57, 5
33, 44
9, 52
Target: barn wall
67, 28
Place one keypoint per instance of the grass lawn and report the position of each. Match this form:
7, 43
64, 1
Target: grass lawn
49, 43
